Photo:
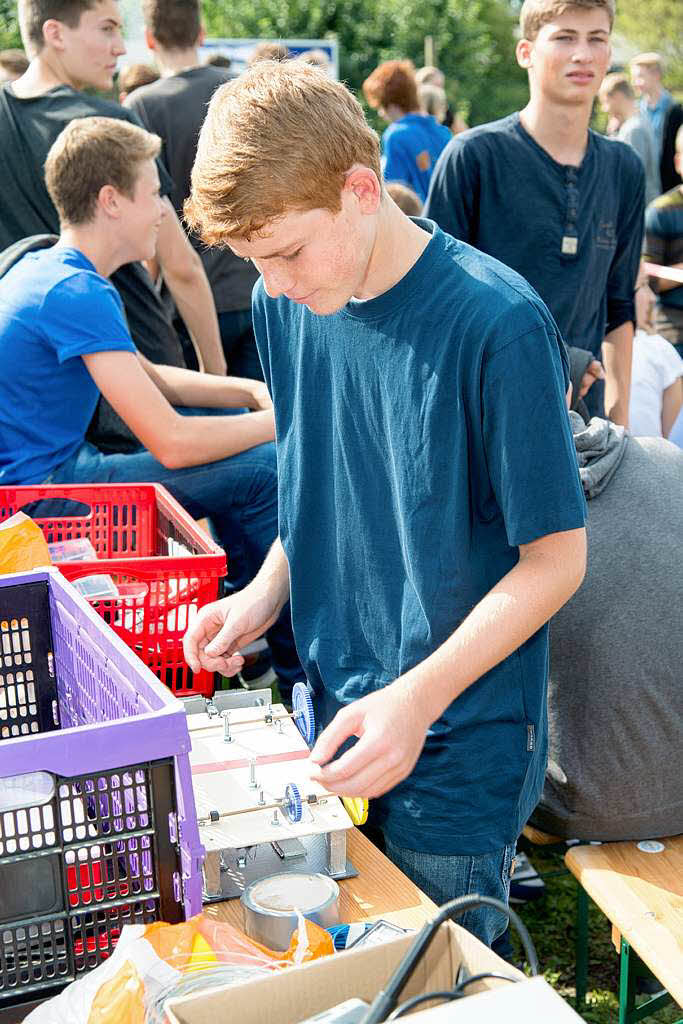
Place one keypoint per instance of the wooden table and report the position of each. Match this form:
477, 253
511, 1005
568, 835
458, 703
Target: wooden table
380, 890
642, 895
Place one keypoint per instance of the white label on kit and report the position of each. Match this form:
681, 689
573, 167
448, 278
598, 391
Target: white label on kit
570, 245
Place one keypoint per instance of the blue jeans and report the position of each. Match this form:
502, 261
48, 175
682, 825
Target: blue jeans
444, 877
238, 494
239, 345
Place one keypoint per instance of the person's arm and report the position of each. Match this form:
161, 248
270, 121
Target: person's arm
223, 628
187, 282
665, 284
672, 400
617, 348
187, 387
391, 724
176, 441
617, 355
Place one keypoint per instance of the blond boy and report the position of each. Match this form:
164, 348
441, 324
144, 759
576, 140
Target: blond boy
556, 201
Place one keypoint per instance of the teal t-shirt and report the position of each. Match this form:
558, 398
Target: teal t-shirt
54, 308
421, 436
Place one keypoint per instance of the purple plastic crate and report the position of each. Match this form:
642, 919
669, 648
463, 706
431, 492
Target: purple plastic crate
98, 826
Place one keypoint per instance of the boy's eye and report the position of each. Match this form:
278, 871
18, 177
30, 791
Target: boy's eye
292, 255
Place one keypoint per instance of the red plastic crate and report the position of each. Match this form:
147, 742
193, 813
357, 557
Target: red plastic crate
164, 565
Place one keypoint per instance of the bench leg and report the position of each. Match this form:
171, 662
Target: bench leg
631, 967
581, 974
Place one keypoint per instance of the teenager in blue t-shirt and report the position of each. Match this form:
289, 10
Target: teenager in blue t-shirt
413, 141
431, 517
557, 202
64, 340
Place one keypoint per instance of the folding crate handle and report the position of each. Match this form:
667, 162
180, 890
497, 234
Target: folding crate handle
52, 507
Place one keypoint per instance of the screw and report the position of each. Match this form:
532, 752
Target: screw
261, 797
227, 738
252, 773
275, 820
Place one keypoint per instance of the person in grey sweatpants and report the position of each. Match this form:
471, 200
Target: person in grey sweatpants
615, 758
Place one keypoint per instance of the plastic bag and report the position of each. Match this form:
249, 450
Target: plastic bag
160, 961
22, 545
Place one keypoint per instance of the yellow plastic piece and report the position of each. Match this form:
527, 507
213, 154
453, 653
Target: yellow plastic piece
356, 808
202, 956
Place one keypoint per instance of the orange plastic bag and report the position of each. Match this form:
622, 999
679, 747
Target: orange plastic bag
22, 545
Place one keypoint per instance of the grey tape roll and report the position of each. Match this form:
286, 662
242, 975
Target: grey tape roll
270, 906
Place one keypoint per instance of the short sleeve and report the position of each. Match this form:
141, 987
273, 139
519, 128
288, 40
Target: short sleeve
165, 179
528, 440
84, 314
453, 197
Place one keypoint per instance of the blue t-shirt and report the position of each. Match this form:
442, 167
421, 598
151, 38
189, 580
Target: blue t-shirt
574, 233
54, 308
421, 436
664, 239
410, 149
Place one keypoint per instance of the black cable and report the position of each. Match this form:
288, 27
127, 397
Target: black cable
410, 1004
458, 989
385, 1000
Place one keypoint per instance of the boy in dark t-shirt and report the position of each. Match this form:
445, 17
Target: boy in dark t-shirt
427, 530
174, 108
552, 199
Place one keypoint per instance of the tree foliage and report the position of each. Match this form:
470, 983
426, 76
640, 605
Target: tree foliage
474, 40
9, 25
656, 25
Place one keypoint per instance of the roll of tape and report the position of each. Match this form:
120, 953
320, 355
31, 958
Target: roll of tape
271, 904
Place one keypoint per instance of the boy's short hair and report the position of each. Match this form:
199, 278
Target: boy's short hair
647, 60
429, 75
617, 81
392, 83
13, 62
176, 24
537, 13
433, 100
133, 76
88, 154
279, 138
268, 51
34, 13
405, 198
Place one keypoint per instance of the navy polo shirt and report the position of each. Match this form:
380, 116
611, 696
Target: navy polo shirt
421, 437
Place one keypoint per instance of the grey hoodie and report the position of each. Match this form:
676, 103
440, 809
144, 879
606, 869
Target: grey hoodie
615, 700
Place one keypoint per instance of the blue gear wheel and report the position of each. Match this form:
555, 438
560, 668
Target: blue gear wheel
302, 705
293, 803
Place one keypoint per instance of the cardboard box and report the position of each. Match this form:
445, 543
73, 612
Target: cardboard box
300, 992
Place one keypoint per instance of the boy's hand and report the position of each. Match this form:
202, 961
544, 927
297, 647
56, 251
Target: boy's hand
261, 397
391, 728
215, 638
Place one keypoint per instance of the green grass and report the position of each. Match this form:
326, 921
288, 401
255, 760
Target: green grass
551, 923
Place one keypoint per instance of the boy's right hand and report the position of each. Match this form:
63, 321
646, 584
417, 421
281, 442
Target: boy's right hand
223, 628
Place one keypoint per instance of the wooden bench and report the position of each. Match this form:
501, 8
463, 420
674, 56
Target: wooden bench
641, 894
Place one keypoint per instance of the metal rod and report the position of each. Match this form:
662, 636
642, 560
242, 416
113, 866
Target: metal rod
276, 805
251, 721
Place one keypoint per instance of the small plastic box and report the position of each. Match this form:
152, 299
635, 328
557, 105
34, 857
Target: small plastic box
162, 565
98, 827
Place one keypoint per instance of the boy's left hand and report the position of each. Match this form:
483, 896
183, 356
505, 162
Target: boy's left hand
391, 729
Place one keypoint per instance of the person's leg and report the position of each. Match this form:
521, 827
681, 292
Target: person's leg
444, 878
238, 494
239, 344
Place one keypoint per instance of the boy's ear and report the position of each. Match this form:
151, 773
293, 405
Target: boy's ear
523, 53
363, 184
201, 37
53, 33
150, 40
109, 201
